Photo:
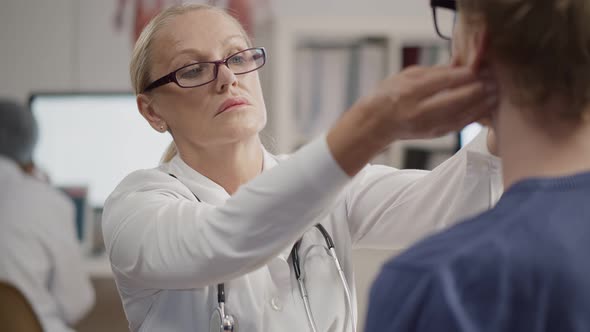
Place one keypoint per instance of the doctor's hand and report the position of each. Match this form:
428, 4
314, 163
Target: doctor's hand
419, 102
423, 102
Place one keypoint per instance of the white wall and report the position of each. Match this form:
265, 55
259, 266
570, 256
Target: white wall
393, 8
104, 52
36, 46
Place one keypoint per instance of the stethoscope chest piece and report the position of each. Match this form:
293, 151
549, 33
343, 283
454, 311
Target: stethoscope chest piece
222, 323
229, 324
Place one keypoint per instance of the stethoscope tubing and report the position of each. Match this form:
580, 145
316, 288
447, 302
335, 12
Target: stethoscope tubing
301, 282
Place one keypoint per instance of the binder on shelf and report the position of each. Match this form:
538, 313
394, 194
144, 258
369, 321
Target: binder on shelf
330, 77
321, 91
372, 65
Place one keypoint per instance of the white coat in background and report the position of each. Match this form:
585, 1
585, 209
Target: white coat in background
39, 250
168, 251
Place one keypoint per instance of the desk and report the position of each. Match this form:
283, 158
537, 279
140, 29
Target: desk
107, 313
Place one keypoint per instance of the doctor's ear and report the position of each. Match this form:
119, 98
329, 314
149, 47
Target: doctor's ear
147, 110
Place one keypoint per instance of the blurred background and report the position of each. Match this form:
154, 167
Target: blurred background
68, 61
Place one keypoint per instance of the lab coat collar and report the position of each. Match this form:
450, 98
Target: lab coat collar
208, 190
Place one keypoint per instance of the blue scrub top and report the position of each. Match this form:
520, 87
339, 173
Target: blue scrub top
523, 266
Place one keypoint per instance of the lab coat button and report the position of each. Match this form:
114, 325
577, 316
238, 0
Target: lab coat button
276, 304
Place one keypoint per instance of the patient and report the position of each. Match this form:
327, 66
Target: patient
524, 265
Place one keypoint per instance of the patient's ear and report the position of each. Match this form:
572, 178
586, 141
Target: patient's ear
479, 40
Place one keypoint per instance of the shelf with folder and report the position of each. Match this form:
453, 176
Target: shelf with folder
330, 77
318, 67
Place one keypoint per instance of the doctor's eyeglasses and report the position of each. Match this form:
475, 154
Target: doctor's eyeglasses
444, 13
201, 73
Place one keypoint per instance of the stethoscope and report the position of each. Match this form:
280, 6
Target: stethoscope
222, 321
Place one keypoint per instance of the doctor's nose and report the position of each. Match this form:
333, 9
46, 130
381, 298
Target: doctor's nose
225, 78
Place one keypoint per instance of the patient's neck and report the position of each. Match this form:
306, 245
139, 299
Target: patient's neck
529, 149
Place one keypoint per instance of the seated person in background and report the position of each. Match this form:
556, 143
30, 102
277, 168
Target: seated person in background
39, 252
522, 266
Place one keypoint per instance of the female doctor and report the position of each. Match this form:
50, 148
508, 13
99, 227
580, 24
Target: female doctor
205, 242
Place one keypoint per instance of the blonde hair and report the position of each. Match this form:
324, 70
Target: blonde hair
545, 45
142, 56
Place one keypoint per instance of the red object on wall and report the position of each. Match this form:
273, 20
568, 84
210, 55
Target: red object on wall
143, 12
143, 15
243, 11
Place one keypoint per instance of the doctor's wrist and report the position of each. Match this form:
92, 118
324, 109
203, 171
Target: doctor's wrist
357, 138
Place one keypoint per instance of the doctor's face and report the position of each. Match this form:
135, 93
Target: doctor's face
229, 109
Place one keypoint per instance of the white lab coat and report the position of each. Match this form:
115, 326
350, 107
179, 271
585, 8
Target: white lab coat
40, 253
168, 251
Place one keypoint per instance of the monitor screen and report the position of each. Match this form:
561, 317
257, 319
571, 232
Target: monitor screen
93, 141
468, 133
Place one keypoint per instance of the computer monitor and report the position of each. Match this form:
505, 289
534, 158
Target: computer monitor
468, 133
93, 140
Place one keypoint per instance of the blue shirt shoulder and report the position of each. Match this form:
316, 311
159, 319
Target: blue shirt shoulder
521, 266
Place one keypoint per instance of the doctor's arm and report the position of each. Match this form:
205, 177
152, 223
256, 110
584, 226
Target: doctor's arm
159, 238
391, 209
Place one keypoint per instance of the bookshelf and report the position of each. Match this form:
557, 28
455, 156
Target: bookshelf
304, 57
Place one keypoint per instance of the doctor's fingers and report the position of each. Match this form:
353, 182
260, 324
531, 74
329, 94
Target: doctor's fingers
453, 109
455, 99
424, 82
482, 109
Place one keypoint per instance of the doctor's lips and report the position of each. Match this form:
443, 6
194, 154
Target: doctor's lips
230, 103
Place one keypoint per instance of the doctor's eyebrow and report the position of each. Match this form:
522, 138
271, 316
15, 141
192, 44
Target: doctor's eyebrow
198, 55
230, 39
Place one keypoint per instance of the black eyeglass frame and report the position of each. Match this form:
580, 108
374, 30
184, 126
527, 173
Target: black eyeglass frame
171, 77
447, 4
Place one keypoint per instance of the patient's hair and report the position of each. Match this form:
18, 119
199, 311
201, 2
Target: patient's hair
545, 44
